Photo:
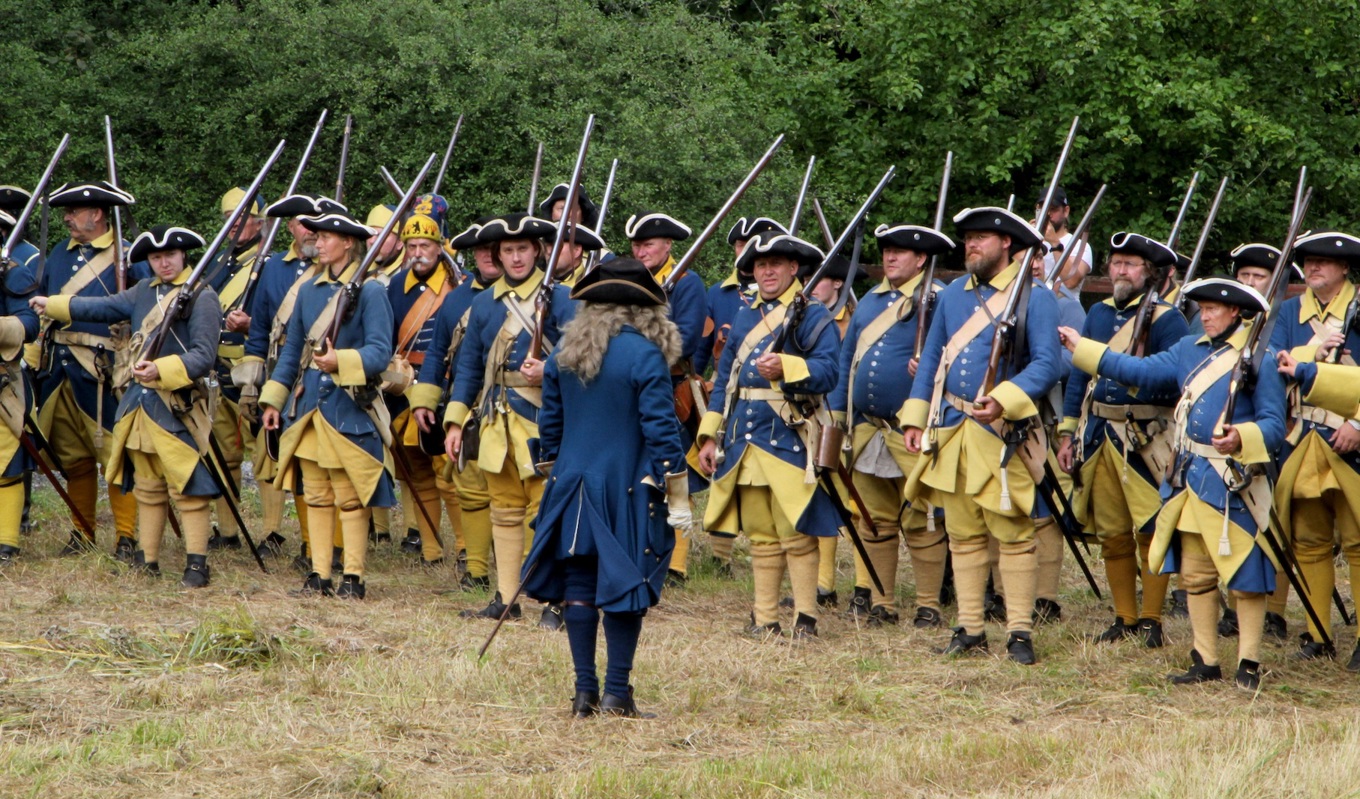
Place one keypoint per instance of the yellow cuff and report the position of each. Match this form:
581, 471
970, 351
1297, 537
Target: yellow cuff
11, 337
173, 374
838, 417
424, 395
1088, 355
274, 394
351, 371
1253, 444
1336, 389
32, 355
795, 368
914, 413
59, 307
457, 414
1068, 425
1015, 403
1305, 352
709, 425
252, 359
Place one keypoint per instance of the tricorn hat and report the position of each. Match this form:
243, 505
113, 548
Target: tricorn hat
94, 194
338, 222
303, 205
1227, 291
1261, 256
620, 281
746, 228
471, 237
516, 226
779, 244
1328, 244
161, 238
13, 198
998, 220
1154, 252
590, 212
655, 225
6, 221
914, 237
838, 268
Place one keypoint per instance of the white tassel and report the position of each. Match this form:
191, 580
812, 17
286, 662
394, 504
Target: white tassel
930, 517
1005, 490
1224, 545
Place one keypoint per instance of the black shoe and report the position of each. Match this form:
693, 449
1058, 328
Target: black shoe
882, 615
1276, 626
315, 586
763, 631
994, 608
78, 545
139, 564
469, 583
1248, 675
1354, 663
351, 587
411, 543
219, 541
805, 627
1151, 632
827, 599
494, 610
273, 545
303, 561
1313, 650
1046, 611
962, 643
1198, 672
622, 706
124, 549
1227, 626
675, 579
1020, 648
196, 572
926, 618
7, 554
858, 609
551, 618
1117, 631
585, 705
1179, 608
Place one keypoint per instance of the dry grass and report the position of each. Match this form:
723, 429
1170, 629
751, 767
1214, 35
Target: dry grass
115, 686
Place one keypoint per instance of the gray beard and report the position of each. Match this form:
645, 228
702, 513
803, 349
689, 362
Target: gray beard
1123, 291
309, 251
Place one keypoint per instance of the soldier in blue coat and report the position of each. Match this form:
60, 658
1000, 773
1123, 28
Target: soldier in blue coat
603, 536
18, 326
164, 421
959, 420
1318, 493
74, 385
653, 236
1206, 531
498, 383
762, 428
323, 392
1118, 443
429, 397
873, 386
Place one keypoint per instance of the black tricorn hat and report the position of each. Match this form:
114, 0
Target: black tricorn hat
338, 222
516, 226
620, 281
998, 220
764, 244
586, 238
1261, 256
837, 269
1328, 244
1154, 252
304, 205
472, 236
94, 194
914, 237
655, 225
164, 237
590, 212
13, 198
746, 228
1227, 291
7, 222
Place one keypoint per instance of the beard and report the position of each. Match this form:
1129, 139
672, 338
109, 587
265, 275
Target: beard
981, 266
1124, 290
309, 251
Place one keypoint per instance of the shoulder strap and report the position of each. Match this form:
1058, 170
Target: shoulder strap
980, 320
88, 273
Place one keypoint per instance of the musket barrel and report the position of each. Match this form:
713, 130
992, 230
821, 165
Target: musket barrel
1052, 277
802, 197
850, 229
21, 223
533, 184
944, 190
1174, 239
235, 215
827, 235
344, 160
564, 223
1204, 232
448, 153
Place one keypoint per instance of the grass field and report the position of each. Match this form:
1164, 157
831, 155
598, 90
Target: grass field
112, 685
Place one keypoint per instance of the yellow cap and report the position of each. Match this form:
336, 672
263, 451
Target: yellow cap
233, 198
420, 227
378, 217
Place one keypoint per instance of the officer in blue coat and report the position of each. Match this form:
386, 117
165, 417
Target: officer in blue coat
762, 428
163, 423
1206, 531
871, 389
74, 385
323, 393
18, 326
604, 533
1117, 443
958, 419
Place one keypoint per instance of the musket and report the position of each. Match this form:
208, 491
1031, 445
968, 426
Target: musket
26, 441
802, 197
273, 226
1010, 203
1203, 240
215, 461
120, 261
533, 184
17, 234
566, 229
687, 260
344, 160
1009, 334
827, 236
594, 260
925, 296
1079, 238
1173, 240
448, 153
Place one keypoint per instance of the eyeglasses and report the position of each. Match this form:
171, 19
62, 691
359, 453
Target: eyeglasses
1125, 265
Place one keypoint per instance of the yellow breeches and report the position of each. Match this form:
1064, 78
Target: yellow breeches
1113, 499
